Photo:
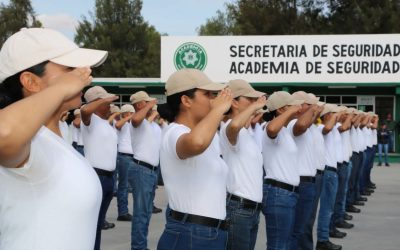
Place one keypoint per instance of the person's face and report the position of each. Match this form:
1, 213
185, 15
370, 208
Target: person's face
104, 110
389, 117
200, 103
243, 102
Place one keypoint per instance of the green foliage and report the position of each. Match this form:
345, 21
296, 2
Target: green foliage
287, 17
118, 27
18, 14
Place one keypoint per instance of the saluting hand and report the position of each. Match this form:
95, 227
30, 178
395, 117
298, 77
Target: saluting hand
260, 103
223, 101
73, 82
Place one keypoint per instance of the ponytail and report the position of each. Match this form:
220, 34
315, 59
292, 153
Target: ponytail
269, 116
170, 110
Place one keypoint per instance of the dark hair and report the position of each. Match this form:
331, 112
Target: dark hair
170, 110
11, 87
268, 116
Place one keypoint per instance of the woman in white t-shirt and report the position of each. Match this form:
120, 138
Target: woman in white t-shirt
282, 178
244, 159
58, 193
194, 174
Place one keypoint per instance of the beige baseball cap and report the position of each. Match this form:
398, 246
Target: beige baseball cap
331, 108
243, 88
31, 46
127, 108
186, 79
114, 109
321, 103
351, 111
77, 112
140, 96
307, 98
280, 99
95, 93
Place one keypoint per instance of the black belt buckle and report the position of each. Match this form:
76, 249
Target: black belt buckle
307, 179
246, 203
200, 220
145, 164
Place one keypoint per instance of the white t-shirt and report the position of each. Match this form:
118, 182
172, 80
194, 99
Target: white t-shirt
347, 150
361, 139
100, 143
257, 133
338, 143
355, 146
280, 157
124, 139
318, 147
245, 163
76, 135
374, 137
368, 136
330, 154
305, 151
52, 202
64, 129
146, 143
196, 185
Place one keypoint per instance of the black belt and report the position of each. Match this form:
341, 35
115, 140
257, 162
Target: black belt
307, 179
126, 154
282, 185
245, 202
103, 172
319, 171
79, 146
145, 164
331, 169
201, 220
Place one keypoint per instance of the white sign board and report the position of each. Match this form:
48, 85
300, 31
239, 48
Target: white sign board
319, 58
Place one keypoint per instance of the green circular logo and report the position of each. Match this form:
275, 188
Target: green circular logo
190, 55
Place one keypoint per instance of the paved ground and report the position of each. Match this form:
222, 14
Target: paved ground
376, 227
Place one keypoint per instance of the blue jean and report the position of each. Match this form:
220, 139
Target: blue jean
181, 235
143, 181
243, 225
279, 208
107, 183
123, 164
304, 207
356, 161
385, 148
360, 174
327, 202
339, 209
374, 149
306, 241
369, 152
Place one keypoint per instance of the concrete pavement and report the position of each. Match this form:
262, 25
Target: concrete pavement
376, 227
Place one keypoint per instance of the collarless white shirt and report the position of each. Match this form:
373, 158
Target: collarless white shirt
146, 143
280, 156
338, 143
319, 147
305, 151
124, 139
196, 185
100, 143
329, 140
52, 202
354, 140
76, 135
245, 164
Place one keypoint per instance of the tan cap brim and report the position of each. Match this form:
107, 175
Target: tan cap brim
81, 57
295, 102
321, 103
254, 94
213, 86
106, 95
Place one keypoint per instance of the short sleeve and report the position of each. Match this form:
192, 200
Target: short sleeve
172, 136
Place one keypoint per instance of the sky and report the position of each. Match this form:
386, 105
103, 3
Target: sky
174, 17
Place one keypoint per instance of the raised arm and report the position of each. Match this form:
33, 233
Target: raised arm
282, 120
201, 136
305, 120
16, 133
140, 115
119, 124
330, 123
240, 120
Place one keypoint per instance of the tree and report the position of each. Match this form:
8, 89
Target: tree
287, 17
118, 27
18, 14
